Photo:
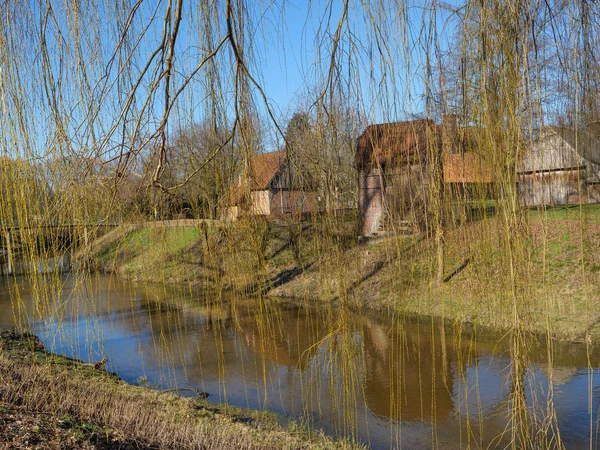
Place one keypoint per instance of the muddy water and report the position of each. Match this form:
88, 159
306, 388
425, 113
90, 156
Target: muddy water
390, 382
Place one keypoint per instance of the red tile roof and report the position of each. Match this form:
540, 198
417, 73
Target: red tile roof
467, 167
261, 171
264, 167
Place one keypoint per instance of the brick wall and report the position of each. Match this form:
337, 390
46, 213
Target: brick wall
293, 202
370, 201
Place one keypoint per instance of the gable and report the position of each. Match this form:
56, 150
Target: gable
264, 168
585, 141
550, 153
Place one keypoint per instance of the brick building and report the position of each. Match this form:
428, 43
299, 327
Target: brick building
269, 187
394, 165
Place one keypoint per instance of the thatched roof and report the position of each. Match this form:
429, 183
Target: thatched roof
407, 142
395, 143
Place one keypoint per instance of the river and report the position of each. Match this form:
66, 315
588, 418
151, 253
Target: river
388, 381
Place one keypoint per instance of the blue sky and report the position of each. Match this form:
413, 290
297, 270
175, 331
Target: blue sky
288, 65
288, 62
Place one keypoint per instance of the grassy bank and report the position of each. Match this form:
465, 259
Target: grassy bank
321, 260
249, 256
561, 270
48, 401
159, 254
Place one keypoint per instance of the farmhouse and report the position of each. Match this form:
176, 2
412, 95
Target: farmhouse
271, 187
395, 170
560, 168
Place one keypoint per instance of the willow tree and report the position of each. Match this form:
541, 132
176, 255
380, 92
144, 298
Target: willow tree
108, 94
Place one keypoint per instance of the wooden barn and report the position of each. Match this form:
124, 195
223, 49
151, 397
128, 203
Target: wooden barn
560, 168
269, 188
393, 164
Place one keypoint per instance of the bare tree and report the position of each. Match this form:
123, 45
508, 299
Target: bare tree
207, 191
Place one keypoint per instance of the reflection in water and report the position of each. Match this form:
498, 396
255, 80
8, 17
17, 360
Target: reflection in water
393, 382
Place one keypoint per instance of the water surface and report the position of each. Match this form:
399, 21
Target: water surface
390, 382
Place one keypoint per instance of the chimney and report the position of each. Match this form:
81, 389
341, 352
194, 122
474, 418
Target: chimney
450, 133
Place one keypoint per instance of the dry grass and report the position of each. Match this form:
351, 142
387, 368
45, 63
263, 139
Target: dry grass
21, 428
140, 417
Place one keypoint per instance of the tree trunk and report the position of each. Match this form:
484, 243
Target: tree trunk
439, 242
9, 254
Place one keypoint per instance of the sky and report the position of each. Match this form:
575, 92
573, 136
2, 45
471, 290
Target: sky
85, 83
291, 63
288, 63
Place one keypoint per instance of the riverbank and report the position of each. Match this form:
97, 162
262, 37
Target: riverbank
49, 401
558, 251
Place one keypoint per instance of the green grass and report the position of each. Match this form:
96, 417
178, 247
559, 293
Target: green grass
396, 273
586, 212
230, 257
153, 254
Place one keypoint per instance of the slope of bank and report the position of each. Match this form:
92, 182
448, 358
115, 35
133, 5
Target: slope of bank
247, 257
48, 401
557, 252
